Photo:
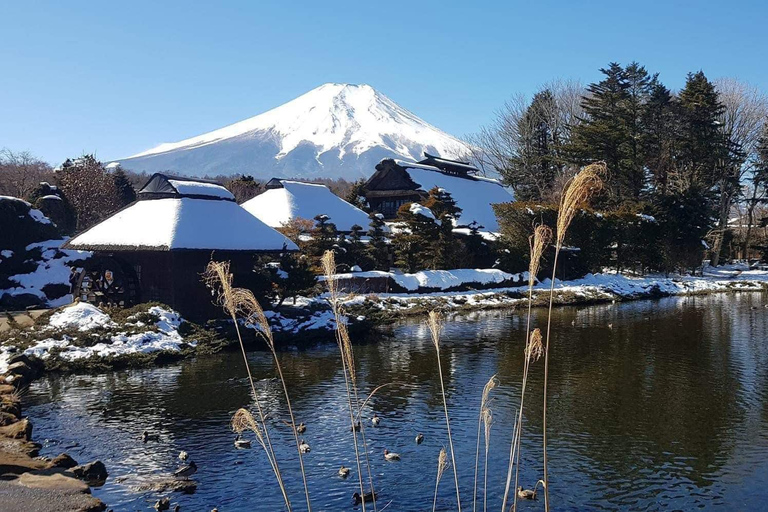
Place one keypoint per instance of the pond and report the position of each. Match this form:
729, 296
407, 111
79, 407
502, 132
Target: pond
655, 405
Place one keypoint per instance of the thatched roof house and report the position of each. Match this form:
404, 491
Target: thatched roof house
156, 248
398, 182
285, 200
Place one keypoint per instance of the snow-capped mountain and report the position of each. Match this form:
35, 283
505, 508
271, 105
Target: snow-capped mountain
335, 130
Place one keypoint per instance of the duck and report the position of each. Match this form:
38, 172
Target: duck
301, 428
368, 496
241, 443
163, 504
343, 472
146, 436
419, 438
183, 455
304, 447
186, 471
391, 456
527, 494
375, 420
356, 428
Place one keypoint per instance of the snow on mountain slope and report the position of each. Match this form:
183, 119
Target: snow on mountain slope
335, 130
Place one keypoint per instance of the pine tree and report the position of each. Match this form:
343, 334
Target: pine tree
478, 250
445, 250
323, 237
356, 195
658, 138
125, 191
294, 278
379, 250
613, 128
414, 241
536, 164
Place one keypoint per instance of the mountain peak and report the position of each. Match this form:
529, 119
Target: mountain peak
334, 130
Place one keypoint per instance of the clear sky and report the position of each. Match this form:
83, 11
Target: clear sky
116, 78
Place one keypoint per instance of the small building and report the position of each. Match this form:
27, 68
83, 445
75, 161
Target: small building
156, 248
398, 182
286, 200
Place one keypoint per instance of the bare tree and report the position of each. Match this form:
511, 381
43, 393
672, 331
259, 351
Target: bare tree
505, 145
746, 108
21, 172
90, 189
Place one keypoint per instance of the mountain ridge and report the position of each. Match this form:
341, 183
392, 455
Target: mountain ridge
333, 131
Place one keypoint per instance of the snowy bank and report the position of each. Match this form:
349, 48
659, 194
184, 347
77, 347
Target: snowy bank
592, 288
440, 280
81, 332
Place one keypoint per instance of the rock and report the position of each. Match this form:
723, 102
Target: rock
7, 418
63, 461
20, 358
94, 472
55, 481
165, 484
19, 498
6, 389
22, 429
16, 457
21, 368
11, 405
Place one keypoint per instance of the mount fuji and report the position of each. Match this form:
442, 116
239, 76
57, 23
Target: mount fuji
333, 131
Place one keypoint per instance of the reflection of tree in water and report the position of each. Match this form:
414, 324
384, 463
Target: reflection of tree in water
655, 393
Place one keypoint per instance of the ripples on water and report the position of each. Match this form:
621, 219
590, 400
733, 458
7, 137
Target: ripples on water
665, 411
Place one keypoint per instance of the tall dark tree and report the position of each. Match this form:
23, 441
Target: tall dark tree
613, 128
658, 138
414, 241
379, 248
125, 191
90, 190
446, 249
356, 195
533, 169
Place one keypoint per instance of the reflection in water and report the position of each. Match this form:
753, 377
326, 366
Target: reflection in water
655, 405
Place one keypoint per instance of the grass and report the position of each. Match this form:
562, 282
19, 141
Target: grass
434, 322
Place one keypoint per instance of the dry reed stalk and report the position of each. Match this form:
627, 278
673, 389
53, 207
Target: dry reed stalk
254, 315
534, 349
218, 277
442, 465
434, 323
348, 368
492, 383
542, 235
577, 194
487, 422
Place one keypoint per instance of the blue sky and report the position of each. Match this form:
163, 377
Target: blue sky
116, 78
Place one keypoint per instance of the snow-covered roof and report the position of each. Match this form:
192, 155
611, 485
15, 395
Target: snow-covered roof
170, 223
278, 206
161, 185
473, 194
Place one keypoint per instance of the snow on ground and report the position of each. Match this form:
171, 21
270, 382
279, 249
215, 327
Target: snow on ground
605, 286
86, 318
440, 279
50, 270
82, 316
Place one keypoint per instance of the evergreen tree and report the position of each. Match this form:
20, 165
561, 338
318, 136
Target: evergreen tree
125, 192
414, 241
478, 250
378, 249
356, 195
658, 138
613, 128
243, 188
294, 278
323, 237
445, 250
535, 166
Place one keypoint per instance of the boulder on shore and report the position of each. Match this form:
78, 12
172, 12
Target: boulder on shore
94, 472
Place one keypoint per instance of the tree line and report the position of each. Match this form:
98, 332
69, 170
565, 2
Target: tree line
701, 152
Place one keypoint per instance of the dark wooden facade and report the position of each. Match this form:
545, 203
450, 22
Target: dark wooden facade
391, 186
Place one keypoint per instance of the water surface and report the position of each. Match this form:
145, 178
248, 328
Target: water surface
655, 405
